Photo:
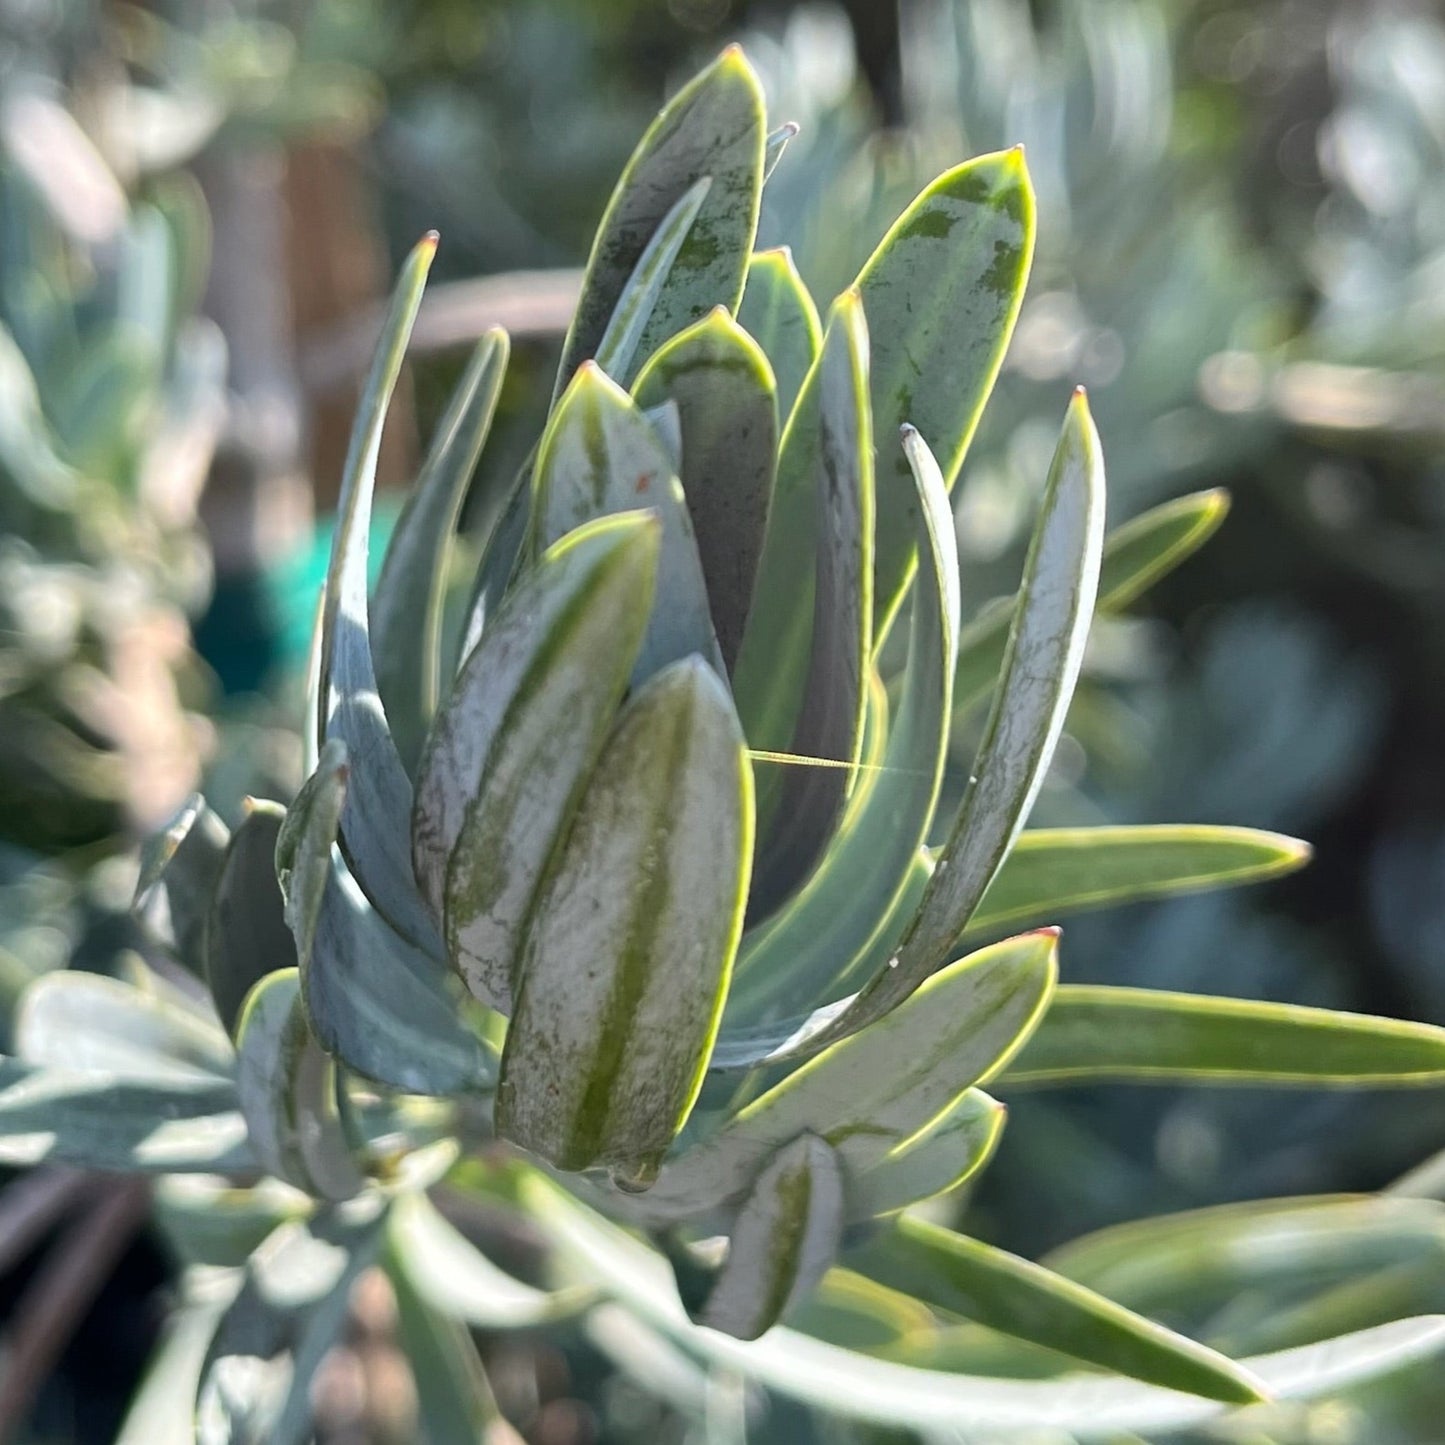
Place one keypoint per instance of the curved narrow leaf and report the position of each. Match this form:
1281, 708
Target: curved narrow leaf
256, 1382
387, 1010
942, 293
406, 619
1153, 544
1046, 648
163, 1411
1054, 871
459, 1280
602, 1064
1019, 1298
715, 126
617, 350
1136, 556
178, 873
1097, 1032
246, 934
871, 1093
287, 1088
831, 708
378, 804
510, 751
899, 1396
501, 557
600, 456
848, 903
723, 389
82, 1021
953, 1148
165, 1125
784, 1241
454, 1399
779, 313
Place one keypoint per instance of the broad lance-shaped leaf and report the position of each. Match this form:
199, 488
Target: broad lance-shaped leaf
387, 1010
808, 801
1098, 1032
778, 312
287, 1086
1053, 871
871, 1093
246, 934
600, 456
725, 395
406, 620
1017, 1297
953, 1148
785, 1239
512, 747
848, 900
83, 1021
256, 1383
602, 1064
1136, 556
942, 293
618, 348
897, 1396
160, 1125
715, 126
179, 868
378, 804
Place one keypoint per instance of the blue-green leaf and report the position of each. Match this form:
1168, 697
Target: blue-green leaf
779, 313
726, 409
406, 616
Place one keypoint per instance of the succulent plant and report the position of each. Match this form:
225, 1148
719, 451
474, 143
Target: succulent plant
631, 915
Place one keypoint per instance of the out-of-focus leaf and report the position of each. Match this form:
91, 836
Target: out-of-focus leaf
82, 1021
785, 1239
1017, 1297
168, 1125
723, 388
178, 873
942, 293
287, 1088
602, 1064
246, 934
869, 1094
1099, 1032
1136, 556
457, 1279
904, 1397
255, 1386
208, 1220
454, 1400
830, 711
792, 964
374, 823
715, 126
1055, 871
600, 456
779, 313
511, 750
407, 612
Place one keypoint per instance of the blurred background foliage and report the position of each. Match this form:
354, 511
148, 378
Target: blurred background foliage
1242, 255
